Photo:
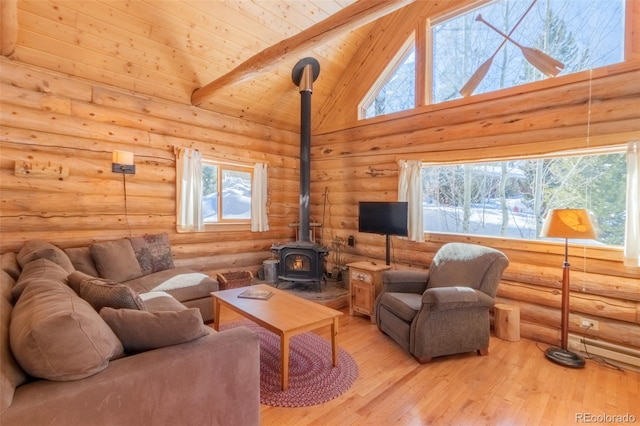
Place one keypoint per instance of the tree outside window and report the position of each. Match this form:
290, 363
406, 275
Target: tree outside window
582, 34
511, 198
398, 92
226, 193
579, 33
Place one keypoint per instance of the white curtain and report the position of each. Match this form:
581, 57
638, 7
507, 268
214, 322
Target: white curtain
632, 228
259, 195
188, 190
410, 189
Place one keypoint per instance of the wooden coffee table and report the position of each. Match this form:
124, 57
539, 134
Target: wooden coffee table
283, 314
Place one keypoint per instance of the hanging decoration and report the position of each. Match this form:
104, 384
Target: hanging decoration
546, 64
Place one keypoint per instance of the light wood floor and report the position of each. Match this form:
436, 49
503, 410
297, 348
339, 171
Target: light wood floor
513, 385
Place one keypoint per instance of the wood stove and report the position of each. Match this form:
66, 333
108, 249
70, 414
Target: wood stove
303, 260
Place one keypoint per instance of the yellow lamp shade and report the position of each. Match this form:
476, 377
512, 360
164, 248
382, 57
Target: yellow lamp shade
568, 223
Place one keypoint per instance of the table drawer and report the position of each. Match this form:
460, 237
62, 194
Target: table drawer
361, 276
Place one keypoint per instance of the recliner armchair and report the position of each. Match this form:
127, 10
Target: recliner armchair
444, 310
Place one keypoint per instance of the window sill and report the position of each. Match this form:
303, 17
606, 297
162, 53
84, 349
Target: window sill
608, 253
219, 227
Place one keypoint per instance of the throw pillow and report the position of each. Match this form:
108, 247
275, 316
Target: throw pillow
101, 293
76, 277
55, 335
36, 270
37, 249
141, 331
153, 252
115, 260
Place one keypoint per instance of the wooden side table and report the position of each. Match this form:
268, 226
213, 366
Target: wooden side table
365, 282
506, 323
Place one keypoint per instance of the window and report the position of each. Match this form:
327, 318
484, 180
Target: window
510, 198
580, 34
226, 192
399, 88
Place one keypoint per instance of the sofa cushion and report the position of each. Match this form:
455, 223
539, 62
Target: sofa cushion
140, 331
37, 249
115, 260
445, 298
153, 252
103, 293
82, 261
36, 270
156, 301
56, 335
180, 282
11, 375
403, 305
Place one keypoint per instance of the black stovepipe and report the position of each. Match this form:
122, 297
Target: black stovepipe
304, 74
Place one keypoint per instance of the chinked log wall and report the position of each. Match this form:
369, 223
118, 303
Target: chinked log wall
359, 162
52, 120
48, 118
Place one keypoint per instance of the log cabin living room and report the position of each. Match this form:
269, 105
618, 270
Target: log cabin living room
197, 140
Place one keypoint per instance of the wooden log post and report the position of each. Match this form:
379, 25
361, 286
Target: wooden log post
507, 322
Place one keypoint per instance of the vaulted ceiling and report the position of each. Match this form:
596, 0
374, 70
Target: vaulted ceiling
171, 48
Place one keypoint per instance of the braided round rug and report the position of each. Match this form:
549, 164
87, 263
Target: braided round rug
312, 377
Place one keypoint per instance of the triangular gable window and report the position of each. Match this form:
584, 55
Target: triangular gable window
396, 89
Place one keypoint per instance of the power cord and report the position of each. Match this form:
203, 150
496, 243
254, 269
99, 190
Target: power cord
598, 360
126, 213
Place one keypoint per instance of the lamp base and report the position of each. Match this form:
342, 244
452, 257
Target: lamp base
564, 357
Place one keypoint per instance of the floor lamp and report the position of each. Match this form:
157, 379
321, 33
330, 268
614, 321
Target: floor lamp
574, 224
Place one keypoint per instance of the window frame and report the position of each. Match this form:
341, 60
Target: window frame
423, 40
432, 236
221, 167
386, 75
478, 4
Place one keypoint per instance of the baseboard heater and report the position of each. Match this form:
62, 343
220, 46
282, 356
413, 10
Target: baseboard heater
630, 358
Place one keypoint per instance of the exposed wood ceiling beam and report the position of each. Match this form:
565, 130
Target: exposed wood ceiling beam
8, 26
351, 17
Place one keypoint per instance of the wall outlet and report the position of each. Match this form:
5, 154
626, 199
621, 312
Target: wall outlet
589, 323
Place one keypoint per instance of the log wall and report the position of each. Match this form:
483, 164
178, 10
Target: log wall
358, 162
51, 121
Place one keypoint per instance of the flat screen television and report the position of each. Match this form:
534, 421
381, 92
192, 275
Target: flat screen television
385, 218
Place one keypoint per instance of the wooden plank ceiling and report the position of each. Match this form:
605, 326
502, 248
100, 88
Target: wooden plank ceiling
171, 48
168, 49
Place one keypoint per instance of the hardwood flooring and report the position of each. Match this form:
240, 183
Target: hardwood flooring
513, 385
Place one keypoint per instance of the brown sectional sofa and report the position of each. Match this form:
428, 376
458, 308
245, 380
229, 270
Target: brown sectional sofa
80, 350
145, 264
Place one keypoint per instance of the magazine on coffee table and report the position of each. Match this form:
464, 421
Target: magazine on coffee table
256, 294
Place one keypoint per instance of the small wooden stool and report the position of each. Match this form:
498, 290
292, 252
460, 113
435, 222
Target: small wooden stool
507, 322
